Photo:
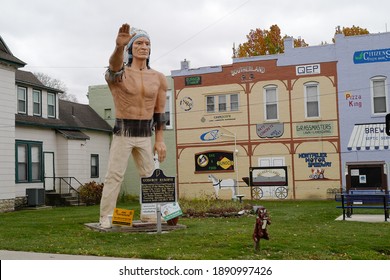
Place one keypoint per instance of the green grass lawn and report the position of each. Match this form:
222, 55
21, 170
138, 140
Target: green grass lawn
300, 230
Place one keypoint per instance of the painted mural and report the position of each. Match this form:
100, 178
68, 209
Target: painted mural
214, 161
317, 162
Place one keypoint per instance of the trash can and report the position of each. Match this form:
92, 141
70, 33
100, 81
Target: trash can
35, 196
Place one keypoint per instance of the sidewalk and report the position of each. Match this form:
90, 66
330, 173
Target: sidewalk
19, 255
369, 218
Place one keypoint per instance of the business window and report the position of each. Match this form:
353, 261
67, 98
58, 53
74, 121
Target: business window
22, 100
29, 162
94, 166
210, 104
37, 102
222, 103
379, 95
271, 102
312, 100
234, 104
107, 114
51, 105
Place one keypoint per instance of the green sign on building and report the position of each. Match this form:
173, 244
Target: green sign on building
314, 129
194, 80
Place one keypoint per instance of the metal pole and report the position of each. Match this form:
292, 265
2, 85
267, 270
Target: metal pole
158, 211
236, 162
234, 154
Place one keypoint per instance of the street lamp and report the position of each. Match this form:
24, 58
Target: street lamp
235, 152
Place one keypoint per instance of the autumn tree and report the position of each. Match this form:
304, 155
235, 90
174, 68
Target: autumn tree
262, 42
351, 31
48, 81
299, 43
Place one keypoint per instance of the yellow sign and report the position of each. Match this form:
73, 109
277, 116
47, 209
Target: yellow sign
225, 163
122, 217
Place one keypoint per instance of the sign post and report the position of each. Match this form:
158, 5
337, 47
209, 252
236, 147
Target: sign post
158, 211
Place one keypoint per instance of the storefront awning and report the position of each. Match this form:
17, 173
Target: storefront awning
367, 137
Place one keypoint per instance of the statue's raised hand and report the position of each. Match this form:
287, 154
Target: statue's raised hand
124, 36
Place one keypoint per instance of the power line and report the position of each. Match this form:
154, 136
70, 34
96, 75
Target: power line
67, 67
163, 55
202, 30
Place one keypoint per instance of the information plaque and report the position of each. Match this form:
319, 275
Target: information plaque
158, 188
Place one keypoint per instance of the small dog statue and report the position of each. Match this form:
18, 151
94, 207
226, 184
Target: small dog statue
260, 231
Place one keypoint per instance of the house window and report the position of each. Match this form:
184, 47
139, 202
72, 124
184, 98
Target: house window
224, 100
28, 162
37, 103
94, 166
22, 158
312, 106
168, 110
271, 103
22, 100
51, 105
379, 95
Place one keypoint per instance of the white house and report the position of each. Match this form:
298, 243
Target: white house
47, 145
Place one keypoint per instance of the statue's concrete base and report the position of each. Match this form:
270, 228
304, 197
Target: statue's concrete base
137, 226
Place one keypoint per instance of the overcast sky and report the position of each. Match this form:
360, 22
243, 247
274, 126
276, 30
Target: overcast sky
71, 40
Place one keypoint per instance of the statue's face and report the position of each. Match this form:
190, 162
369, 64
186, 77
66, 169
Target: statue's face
141, 48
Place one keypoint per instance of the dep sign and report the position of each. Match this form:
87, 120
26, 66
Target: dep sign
308, 69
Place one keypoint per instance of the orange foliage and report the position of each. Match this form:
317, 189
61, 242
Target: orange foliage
352, 31
262, 41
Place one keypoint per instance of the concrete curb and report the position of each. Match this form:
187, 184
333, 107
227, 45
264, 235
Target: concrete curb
20, 255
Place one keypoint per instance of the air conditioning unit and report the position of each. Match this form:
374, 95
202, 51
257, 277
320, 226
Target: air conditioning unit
35, 197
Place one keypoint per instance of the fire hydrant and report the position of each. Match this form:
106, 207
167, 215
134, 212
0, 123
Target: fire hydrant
260, 231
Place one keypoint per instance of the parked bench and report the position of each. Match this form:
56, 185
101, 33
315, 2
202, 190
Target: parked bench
363, 200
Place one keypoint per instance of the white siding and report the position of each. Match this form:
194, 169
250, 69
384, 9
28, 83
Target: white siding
100, 145
72, 157
61, 162
7, 132
78, 163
